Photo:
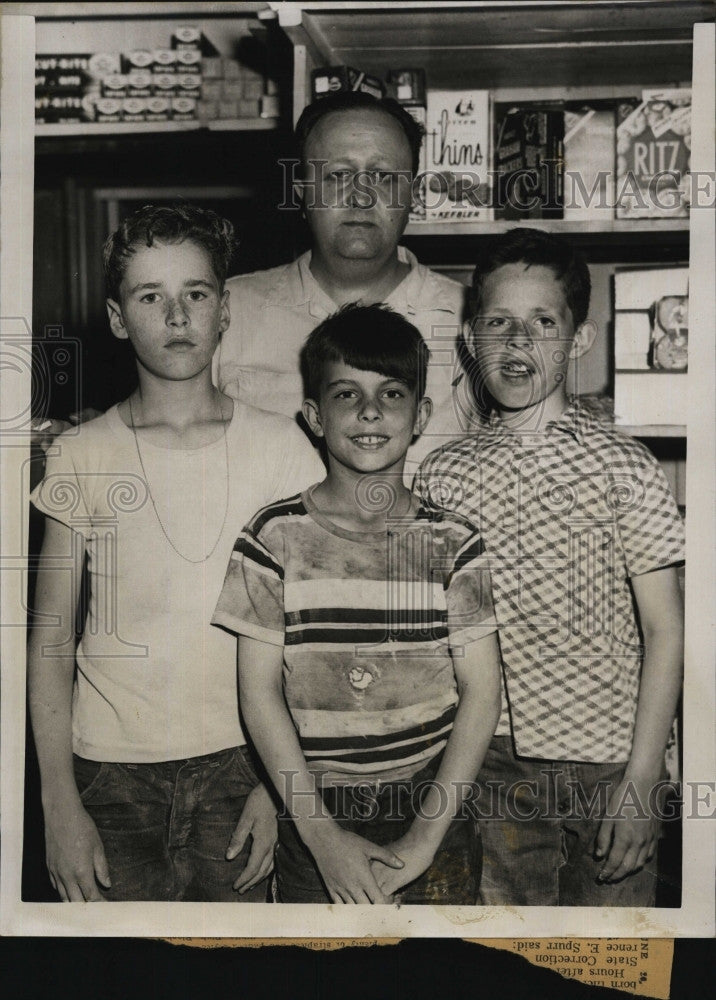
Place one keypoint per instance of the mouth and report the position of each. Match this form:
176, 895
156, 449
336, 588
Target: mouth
516, 370
370, 442
180, 344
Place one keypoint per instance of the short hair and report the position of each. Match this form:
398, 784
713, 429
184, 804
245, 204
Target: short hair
533, 246
371, 338
351, 101
168, 224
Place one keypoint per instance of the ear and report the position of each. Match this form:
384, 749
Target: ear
583, 338
312, 416
425, 410
116, 320
225, 314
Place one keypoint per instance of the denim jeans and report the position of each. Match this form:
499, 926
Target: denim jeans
165, 827
452, 878
548, 860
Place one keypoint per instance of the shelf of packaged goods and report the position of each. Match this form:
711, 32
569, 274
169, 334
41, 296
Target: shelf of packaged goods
574, 227
129, 128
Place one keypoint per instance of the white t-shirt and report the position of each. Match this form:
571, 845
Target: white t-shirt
155, 680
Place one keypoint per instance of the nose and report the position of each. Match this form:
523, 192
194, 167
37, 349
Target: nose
519, 333
361, 194
176, 313
370, 410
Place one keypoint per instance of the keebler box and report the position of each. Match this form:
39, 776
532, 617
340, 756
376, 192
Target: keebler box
457, 156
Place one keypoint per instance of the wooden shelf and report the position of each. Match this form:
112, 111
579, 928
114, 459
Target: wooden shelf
627, 227
654, 430
130, 128
495, 45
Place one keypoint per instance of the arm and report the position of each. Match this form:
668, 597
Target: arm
75, 856
343, 858
478, 680
627, 843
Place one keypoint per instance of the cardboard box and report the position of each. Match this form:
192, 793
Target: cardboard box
653, 156
188, 61
183, 109
134, 109
139, 83
637, 292
157, 109
164, 60
457, 156
652, 397
115, 85
589, 137
529, 161
334, 79
137, 59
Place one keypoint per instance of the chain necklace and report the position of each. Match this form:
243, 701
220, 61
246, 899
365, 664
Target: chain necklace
151, 497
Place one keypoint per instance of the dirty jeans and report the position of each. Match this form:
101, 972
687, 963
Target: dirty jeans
166, 826
452, 878
548, 860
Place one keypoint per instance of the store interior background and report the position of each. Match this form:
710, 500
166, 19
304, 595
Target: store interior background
85, 185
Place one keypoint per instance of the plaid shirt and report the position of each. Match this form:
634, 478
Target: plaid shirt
568, 515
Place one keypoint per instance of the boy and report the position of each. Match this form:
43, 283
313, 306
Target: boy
583, 537
377, 616
160, 795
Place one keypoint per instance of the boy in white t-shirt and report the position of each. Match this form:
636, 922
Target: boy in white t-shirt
148, 788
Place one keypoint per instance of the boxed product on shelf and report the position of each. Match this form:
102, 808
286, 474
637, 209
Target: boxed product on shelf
653, 152
157, 109
650, 345
407, 87
183, 109
136, 59
164, 60
457, 156
134, 109
589, 137
108, 109
188, 61
189, 38
188, 85
529, 161
164, 84
333, 79
139, 83
115, 85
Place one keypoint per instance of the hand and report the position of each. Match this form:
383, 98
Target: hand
343, 860
75, 856
417, 856
258, 819
628, 841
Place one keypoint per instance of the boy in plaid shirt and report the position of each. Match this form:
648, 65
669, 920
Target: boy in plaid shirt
584, 538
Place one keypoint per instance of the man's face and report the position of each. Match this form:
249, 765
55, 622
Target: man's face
171, 308
522, 339
360, 204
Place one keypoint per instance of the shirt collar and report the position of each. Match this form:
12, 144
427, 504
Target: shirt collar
574, 422
419, 289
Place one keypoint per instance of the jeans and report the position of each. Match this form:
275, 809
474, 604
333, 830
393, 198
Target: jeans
548, 860
165, 827
452, 878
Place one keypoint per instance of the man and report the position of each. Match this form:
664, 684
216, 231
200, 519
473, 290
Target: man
358, 156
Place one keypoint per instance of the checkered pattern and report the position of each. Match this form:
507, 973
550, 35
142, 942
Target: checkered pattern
567, 515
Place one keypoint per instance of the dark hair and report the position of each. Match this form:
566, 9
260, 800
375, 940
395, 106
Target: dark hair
532, 246
370, 338
168, 224
350, 101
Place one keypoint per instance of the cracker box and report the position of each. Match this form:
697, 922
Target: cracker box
457, 156
653, 155
529, 161
407, 87
589, 136
333, 79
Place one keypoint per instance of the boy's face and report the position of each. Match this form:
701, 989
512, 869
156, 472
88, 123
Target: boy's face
368, 419
171, 308
523, 338
360, 205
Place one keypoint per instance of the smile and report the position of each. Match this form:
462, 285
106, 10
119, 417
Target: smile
370, 441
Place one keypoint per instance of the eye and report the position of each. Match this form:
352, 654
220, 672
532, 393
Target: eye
544, 322
495, 322
149, 298
196, 295
394, 394
345, 394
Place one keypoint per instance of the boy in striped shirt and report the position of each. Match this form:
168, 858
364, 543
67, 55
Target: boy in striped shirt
368, 662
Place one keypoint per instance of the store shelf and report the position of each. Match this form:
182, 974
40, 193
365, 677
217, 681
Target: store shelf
495, 46
607, 227
654, 430
130, 128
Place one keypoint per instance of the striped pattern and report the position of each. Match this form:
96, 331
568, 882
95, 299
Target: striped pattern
567, 515
368, 623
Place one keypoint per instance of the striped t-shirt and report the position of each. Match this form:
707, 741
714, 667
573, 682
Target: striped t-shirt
369, 623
